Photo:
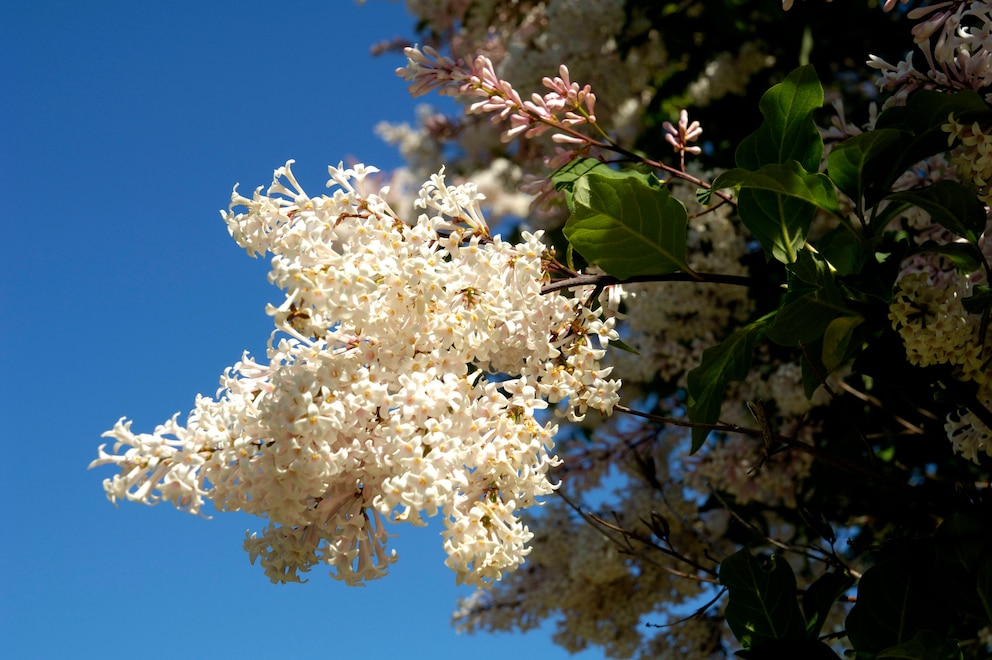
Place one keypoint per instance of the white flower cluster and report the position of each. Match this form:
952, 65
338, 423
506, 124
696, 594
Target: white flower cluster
932, 321
972, 156
936, 329
404, 379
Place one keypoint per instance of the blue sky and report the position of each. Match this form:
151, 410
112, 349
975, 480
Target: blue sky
125, 126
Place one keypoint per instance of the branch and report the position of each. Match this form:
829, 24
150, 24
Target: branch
596, 521
592, 279
838, 462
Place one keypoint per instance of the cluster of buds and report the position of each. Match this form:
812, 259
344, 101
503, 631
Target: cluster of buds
680, 137
565, 107
954, 40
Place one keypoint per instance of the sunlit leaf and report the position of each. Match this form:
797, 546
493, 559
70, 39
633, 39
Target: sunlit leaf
788, 179
627, 227
787, 132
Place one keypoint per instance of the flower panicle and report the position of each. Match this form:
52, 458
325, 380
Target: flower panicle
564, 108
405, 378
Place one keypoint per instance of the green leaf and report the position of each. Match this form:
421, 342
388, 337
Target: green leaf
820, 597
980, 303
811, 268
727, 361
962, 545
964, 541
787, 132
979, 300
780, 223
845, 250
883, 215
778, 220
862, 161
966, 257
788, 179
806, 317
762, 600
925, 645
777, 202
703, 195
895, 603
564, 177
922, 117
626, 226
623, 346
807, 649
950, 204
813, 302
837, 341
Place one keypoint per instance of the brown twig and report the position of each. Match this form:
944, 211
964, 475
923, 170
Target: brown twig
627, 535
787, 443
592, 279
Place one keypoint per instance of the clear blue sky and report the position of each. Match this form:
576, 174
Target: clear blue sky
124, 127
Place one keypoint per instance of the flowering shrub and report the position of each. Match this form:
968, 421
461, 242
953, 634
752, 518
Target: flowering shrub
801, 328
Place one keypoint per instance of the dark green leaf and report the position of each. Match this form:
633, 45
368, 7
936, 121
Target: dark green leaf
727, 361
950, 204
788, 179
846, 250
922, 117
806, 317
883, 260
810, 268
963, 540
925, 645
626, 226
837, 341
979, 300
813, 302
804, 649
862, 161
820, 597
895, 603
780, 223
883, 215
787, 132
762, 599
966, 257
961, 544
